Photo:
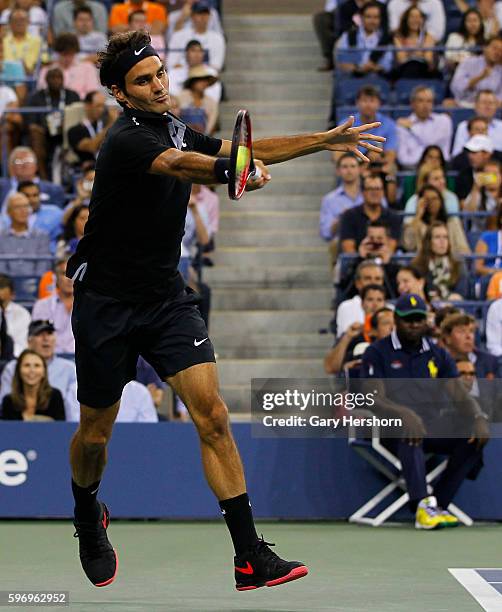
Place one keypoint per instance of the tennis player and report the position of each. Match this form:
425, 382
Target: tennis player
130, 300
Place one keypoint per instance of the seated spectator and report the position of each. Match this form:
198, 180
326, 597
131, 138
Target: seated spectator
336, 202
85, 138
194, 57
478, 152
422, 128
494, 328
196, 233
193, 99
467, 40
90, 40
73, 231
476, 126
83, 188
19, 44
411, 280
479, 73
446, 276
81, 77
179, 19
485, 195
433, 10
414, 64
32, 398
23, 167
354, 222
156, 15
430, 208
387, 172
136, 21
324, 26
458, 333
12, 71
212, 42
37, 17
485, 107
491, 14
348, 350
431, 158
21, 241
136, 405
61, 372
148, 377
16, 316
435, 177
369, 35
208, 203
486, 396
351, 310
46, 129
12, 122
489, 244
57, 308
63, 16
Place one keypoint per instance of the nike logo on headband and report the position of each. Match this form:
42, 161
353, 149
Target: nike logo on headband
138, 52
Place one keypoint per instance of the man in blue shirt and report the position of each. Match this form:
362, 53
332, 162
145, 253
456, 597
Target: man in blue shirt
409, 354
45, 217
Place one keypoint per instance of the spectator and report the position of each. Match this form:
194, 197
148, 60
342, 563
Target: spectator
73, 231
81, 77
6, 341
83, 187
489, 245
156, 15
324, 26
414, 64
208, 203
493, 328
369, 35
351, 310
12, 122
467, 40
21, 241
490, 11
433, 10
348, 13
136, 21
195, 105
479, 73
23, 167
487, 397
485, 107
61, 372
63, 16
476, 126
179, 19
446, 277
16, 316
58, 308
422, 128
479, 151
213, 42
19, 44
411, 280
430, 208
431, 158
336, 202
85, 138
196, 233
136, 405
435, 177
46, 217
194, 57
46, 129
37, 17
148, 377
354, 221
32, 398
458, 332
485, 195
89, 39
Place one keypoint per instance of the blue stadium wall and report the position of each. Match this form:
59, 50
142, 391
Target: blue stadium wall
154, 471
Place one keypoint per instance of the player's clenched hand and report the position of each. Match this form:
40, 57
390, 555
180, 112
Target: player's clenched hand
347, 138
261, 178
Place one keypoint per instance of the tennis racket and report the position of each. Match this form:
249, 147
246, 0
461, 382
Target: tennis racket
241, 157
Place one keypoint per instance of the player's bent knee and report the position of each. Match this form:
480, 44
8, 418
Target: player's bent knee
214, 425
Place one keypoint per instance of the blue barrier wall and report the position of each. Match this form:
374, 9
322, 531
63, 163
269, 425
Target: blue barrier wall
154, 471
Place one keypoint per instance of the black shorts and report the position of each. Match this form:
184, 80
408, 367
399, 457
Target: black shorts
110, 335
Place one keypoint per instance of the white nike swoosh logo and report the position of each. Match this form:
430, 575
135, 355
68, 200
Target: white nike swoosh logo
227, 174
199, 342
138, 52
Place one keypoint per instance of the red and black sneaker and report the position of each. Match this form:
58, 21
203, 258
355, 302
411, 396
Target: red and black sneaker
259, 567
99, 559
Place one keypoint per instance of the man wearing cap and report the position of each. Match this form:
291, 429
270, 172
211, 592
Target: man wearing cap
130, 300
479, 151
61, 372
409, 354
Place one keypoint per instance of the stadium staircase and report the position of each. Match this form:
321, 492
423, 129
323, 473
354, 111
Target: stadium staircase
271, 284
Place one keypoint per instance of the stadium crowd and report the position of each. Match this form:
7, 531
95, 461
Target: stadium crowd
54, 116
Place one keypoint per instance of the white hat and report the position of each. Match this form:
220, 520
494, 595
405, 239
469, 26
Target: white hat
480, 142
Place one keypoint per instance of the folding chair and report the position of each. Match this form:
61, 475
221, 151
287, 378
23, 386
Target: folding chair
390, 467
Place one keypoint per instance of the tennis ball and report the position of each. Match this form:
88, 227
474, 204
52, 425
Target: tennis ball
242, 158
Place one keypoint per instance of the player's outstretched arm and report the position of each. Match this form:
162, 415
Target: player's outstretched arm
344, 137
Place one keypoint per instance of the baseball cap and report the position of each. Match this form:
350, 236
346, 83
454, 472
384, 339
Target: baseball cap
410, 303
202, 6
39, 326
480, 142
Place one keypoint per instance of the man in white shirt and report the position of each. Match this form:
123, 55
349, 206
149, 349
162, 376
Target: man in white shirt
422, 128
212, 42
17, 317
435, 18
136, 405
494, 328
180, 19
485, 106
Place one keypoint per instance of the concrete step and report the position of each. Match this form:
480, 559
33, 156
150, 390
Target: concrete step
248, 220
241, 371
287, 7
297, 185
295, 90
264, 277
271, 76
277, 108
272, 203
256, 20
263, 321
268, 238
278, 60
266, 34
291, 124
271, 299
288, 256
268, 346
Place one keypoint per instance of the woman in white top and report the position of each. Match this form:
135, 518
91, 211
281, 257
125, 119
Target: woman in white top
37, 16
470, 35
